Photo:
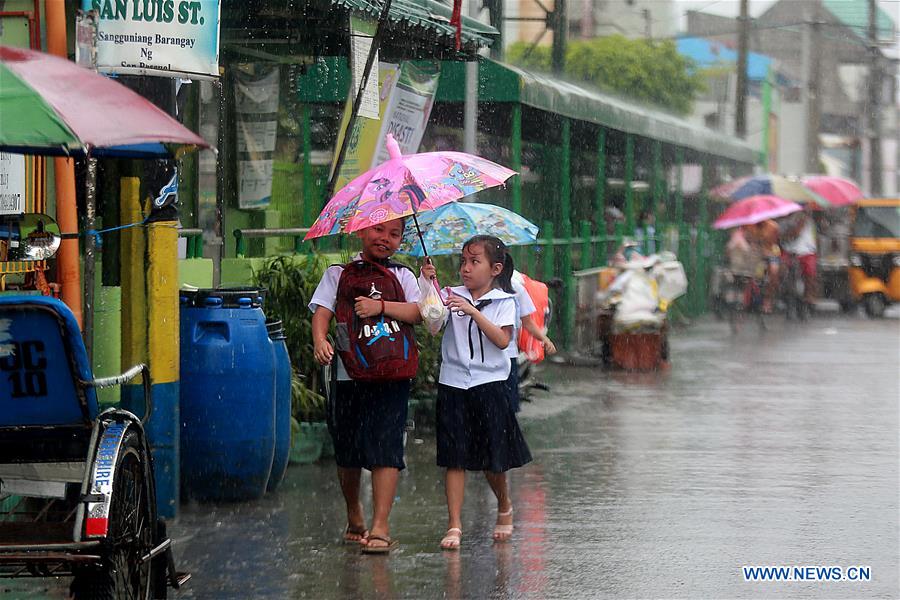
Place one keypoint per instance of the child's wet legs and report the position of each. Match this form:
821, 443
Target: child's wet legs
384, 489
455, 486
500, 487
349, 480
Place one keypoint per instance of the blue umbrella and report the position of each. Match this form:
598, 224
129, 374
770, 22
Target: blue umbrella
447, 228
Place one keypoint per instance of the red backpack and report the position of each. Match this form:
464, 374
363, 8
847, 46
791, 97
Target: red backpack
374, 348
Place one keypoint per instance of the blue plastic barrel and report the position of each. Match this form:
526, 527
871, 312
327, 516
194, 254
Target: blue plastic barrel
227, 395
282, 406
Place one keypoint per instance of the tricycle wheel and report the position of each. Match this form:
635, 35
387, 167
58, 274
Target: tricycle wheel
874, 304
121, 575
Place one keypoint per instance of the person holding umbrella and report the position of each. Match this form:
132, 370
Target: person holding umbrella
368, 411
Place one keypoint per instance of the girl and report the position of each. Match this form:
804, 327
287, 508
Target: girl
476, 426
368, 418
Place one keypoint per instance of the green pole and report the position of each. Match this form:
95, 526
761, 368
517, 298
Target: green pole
600, 193
565, 202
767, 110
629, 192
547, 268
683, 246
308, 209
241, 246
658, 188
516, 151
702, 244
586, 258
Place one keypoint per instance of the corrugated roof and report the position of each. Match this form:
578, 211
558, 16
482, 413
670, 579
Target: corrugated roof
499, 82
428, 14
855, 15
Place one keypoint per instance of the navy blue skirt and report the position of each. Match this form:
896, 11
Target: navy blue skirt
512, 385
366, 421
477, 429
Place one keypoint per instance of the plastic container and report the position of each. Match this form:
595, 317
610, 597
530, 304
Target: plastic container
636, 351
282, 405
227, 395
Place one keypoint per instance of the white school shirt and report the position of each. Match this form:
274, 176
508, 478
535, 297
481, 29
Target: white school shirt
524, 307
326, 295
469, 358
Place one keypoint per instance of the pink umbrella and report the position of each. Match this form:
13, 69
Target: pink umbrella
837, 190
755, 209
405, 185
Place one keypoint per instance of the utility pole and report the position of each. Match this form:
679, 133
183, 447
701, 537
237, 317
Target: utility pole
874, 112
495, 10
812, 103
648, 24
740, 110
560, 35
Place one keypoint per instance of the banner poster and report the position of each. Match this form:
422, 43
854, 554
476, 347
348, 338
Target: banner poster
256, 108
166, 38
364, 137
361, 33
12, 184
409, 107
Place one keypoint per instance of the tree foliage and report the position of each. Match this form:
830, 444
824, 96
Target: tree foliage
645, 70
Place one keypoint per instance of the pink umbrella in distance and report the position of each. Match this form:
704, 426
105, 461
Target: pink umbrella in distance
837, 190
755, 209
405, 185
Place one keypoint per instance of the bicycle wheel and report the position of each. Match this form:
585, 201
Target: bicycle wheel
121, 574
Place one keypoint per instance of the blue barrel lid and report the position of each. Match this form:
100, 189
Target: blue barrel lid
228, 297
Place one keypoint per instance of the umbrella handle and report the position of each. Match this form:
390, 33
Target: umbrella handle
434, 280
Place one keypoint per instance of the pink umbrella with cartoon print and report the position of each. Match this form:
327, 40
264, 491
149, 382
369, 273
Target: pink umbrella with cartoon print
405, 185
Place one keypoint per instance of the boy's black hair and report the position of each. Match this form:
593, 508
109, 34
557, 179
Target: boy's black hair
496, 252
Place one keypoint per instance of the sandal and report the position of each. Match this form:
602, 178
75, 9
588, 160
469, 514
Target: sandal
386, 549
353, 535
452, 539
502, 533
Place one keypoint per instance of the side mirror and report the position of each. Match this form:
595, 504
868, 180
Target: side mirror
28, 237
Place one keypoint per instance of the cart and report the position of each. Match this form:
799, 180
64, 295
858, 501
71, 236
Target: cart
77, 495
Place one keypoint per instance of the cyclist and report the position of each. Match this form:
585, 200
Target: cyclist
764, 237
799, 235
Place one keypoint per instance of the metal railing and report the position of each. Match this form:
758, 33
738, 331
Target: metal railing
241, 235
194, 241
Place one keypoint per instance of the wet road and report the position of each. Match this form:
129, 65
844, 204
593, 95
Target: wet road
772, 449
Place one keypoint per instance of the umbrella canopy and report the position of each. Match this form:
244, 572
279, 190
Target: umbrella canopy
755, 209
447, 228
52, 106
406, 185
768, 185
837, 190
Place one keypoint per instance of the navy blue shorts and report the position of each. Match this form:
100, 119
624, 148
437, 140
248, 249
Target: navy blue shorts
477, 429
366, 421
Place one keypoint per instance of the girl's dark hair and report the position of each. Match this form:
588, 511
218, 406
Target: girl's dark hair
496, 252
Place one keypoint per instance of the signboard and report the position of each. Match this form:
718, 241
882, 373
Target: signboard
167, 38
12, 184
361, 33
256, 107
408, 109
364, 136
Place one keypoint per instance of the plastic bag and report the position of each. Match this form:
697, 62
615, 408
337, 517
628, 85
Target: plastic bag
431, 305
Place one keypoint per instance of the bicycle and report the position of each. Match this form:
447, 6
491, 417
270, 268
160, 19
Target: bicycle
743, 295
793, 289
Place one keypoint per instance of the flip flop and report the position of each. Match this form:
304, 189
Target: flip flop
363, 535
390, 545
452, 539
503, 530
